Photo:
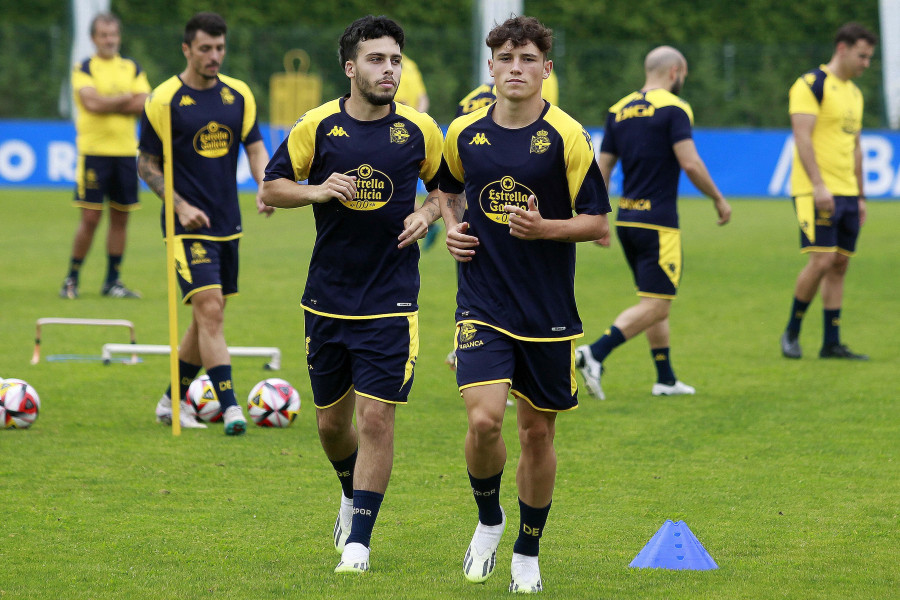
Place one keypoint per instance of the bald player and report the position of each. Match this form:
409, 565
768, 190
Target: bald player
650, 132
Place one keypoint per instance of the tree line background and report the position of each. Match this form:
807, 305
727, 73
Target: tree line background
742, 57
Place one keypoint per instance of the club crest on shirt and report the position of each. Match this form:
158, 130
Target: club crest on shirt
227, 96
214, 140
373, 189
399, 134
540, 142
497, 194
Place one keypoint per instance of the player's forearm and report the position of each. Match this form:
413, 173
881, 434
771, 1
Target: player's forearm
97, 103
258, 158
453, 207
150, 171
580, 228
702, 180
135, 104
284, 193
431, 207
808, 159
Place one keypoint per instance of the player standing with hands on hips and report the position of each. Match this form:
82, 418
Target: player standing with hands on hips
361, 156
525, 167
211, 115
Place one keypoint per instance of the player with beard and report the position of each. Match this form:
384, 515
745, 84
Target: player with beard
361, 156
650, 131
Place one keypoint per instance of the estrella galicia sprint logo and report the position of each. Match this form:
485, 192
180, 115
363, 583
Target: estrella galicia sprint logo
495, 195
214, 140
373, 189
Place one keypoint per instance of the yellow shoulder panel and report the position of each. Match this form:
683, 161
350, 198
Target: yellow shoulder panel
249, 102
302, 138
660, 98
158, 103
579, 151
434, 140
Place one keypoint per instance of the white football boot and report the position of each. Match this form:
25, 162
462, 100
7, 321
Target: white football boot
186, 416
526, 575
354, 559
591, 369
342, 523
676, 389
481, 556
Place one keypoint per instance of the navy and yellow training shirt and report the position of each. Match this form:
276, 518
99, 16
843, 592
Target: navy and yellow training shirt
207, 127
641, 129
524, 288
356, 269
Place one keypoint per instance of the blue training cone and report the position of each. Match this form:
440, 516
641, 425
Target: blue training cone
674, 546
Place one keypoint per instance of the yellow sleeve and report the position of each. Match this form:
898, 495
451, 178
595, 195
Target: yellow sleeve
80, 79
140, 84
301, 142
801, 99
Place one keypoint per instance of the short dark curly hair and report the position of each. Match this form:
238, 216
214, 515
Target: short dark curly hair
210, 23
367, 28
520, 31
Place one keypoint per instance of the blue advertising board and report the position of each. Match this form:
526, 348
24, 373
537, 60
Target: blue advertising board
742, 162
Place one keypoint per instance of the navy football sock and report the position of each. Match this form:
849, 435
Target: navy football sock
113, 266
487, 497
344, 469
220, 377
187, 372
531, 528
664, 372
366, 505
612, 339
832, 331
798, 310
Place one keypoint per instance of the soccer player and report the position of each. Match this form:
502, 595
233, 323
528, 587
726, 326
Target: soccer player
826, 111
650, 131
211, 114
361, 156
525, 166
109, 95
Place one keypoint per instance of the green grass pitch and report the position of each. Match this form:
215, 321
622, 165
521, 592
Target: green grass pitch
787, 471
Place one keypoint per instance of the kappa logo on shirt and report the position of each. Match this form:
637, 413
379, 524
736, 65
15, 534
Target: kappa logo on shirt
480, 139
338, 131
187, 101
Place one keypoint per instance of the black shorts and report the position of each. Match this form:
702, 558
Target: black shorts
375, 356
654, 256
540, 372
822, 231
203, 264
113, 177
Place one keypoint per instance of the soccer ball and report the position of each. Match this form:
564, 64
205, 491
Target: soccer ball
273, 403
19, 404
202, 398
